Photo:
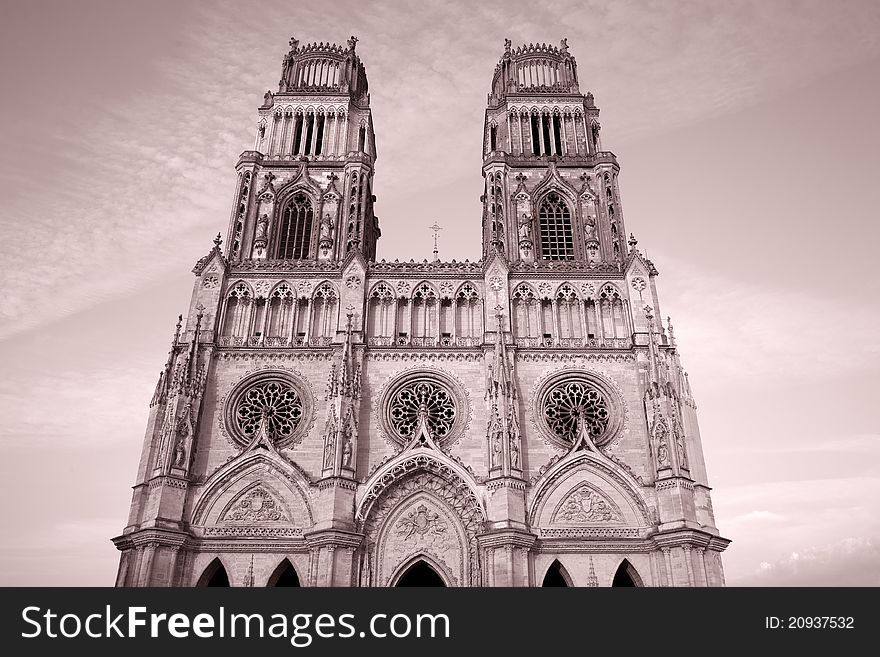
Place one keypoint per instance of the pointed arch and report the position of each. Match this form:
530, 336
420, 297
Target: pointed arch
284, 575
258, 467
626, 575
556, 226
599, 473
214, 575
556, 575
421, 570
294, 233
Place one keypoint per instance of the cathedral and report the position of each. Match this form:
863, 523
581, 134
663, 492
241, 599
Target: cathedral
325, 418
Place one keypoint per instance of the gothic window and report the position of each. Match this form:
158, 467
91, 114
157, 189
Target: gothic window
468, 315
280, 305
237, 314
493, 137
381, 311
557, 134
536, 140
354, 211
436, 400
612, 310
362, 138
569, 311
297, 133
545, 133
525, 312
324, 305
319, 138
570, 403
277, 400
295, 233
424, 309
557, 240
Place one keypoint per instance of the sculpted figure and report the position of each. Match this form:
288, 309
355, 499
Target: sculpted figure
525, 227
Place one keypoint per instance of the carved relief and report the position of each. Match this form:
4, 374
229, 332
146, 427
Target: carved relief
585, 505
421, 522
257, 505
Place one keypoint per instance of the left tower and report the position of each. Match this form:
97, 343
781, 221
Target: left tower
273, 326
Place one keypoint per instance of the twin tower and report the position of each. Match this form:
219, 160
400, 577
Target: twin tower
327, 419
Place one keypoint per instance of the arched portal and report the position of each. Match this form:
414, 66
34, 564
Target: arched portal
214, 575
284, 575
626, 575
556, 575
420, 574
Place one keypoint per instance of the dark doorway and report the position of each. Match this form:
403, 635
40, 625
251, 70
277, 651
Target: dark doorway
284, 575
554, 576
214, 575
420, 574
626, 575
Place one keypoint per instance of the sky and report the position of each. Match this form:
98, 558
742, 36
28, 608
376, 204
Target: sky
750, 155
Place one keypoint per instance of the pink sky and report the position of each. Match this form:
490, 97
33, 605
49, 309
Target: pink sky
750, 158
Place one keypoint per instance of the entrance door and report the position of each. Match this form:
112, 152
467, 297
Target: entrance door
420, 574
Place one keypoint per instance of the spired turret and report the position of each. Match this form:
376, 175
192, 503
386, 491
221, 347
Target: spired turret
305, 191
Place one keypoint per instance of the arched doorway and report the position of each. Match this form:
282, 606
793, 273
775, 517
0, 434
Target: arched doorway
284, 575
420, 574
626, 575
556, 575
214, 575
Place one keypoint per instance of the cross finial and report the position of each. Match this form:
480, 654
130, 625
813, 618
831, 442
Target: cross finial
218, 241
632, 241
269, 178
436, 228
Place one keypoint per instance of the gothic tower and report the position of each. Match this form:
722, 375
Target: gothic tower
327, 419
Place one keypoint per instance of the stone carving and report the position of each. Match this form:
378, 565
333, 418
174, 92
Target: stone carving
585, 505
590, 229
210, 282
662, 445
261, 289
346, 449
514, 451
257, 505
496, 283
446, 288
525, 228
352, 282
262, 230
421, 522
326, 230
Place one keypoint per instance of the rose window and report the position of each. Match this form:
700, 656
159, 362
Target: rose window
437, 402
278, 400
569, 403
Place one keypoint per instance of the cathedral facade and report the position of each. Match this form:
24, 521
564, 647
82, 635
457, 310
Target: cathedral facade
327, 419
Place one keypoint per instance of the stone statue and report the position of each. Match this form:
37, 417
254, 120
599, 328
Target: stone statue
326, 232
496, 448
179, 454
352, 42
662, 451
294, 43
262, 229
563, 45
346, 451
514, 452
507, 45
328, 452
267, 99
525, 228
590, 228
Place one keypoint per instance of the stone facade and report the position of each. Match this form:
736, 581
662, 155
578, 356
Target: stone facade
519, 420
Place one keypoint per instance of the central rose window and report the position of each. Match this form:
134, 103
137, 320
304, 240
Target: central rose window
434, 398
434, 393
